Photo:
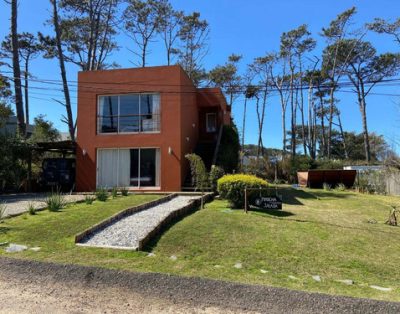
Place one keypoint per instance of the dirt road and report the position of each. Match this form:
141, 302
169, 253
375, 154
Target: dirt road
36, 287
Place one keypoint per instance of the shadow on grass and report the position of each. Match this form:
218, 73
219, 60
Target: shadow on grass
271, 212
4, 230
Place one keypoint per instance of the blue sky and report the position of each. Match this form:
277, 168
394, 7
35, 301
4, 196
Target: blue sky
247, 27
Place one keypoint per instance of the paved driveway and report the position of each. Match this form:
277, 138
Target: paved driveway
19, 203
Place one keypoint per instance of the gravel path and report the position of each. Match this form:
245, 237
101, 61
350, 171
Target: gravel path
127, 232
18, 203
37, 287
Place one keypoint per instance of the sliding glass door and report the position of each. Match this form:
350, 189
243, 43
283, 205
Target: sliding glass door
138, 167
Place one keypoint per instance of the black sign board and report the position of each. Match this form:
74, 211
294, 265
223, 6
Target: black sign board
268, 202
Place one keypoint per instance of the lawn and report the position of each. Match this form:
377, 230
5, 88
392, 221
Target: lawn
317, 233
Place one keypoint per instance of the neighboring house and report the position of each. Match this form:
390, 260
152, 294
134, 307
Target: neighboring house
10, 127
135, 127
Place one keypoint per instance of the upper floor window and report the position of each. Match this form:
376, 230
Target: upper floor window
128, 113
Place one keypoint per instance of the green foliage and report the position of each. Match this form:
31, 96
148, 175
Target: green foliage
198, 171
340, 187
101, 194
5, 113
326, 186
124, 191
31, 208
215, 173
44, 130
55, 201
228, 154
14, 152
114, 192
231, 187
89, 199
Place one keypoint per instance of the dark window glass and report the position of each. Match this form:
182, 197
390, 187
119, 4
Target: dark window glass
147, 167
129, 119
134, 181
108, 114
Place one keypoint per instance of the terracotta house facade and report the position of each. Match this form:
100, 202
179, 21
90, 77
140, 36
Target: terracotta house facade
135, 126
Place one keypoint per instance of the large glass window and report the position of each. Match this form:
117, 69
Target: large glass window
128, 167
130, 113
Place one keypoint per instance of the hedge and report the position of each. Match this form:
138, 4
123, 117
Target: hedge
231, 187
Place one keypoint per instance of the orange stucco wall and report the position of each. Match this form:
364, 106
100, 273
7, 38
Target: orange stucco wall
179, 120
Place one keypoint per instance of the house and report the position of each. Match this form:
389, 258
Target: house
11, 126
136, 125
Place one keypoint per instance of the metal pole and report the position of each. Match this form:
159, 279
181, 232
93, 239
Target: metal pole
245, 200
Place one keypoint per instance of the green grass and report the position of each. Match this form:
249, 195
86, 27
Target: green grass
319, 232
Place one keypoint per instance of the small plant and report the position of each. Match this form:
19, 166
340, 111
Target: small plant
31, 208
326, 186
55, 201
124, 191
340, 187
101, 194
89, 199
114, 192
215, 173
3, 208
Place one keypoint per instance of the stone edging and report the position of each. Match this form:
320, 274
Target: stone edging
125, 212
193, 205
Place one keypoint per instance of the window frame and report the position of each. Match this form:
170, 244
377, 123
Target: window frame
98, 126
216, 122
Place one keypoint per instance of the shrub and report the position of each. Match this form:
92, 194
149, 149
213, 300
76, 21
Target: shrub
55, 201
228, 153
231, 187
326, 186
124, 191
198, 171
31, 208
215, 173
340, 187
114, 192
101, 194
89, 199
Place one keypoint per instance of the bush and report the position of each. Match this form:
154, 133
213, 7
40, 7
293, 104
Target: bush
326, 186
124, 191
114, 192
231, 187
215, 173
89, 199
228, 153
340, 187
31, 208
55, 201
101, 194
198, 171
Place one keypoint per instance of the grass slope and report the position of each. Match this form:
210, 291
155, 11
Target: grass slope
317, 233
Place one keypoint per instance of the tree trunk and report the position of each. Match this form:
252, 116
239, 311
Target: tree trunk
330, 121
363, 111
346, 153
19, 106
243, 129
70, 121
26, 92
